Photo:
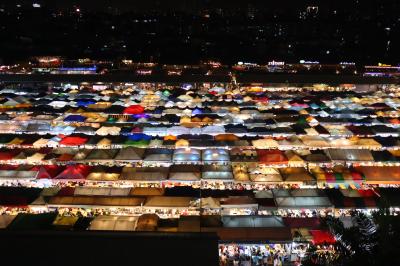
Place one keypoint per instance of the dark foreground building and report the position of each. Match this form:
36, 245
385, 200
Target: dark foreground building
109, 248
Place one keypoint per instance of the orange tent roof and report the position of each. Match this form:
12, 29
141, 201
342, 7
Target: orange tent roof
226, 137
271, 156
170, 137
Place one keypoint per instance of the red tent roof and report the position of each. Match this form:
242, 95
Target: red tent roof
322, 237
366, 193
134, 109
47, 171
73, 141
137, 130
262, 99
65, 157
8, 155
9, 167
74, 172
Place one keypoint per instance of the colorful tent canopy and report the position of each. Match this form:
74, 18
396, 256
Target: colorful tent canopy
75, 118
134, 109
79, 171
73, 141
48, 171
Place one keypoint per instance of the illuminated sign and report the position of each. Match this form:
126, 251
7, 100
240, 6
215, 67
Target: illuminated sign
143, 72
247, 64
276, 63
78, 68
309, 62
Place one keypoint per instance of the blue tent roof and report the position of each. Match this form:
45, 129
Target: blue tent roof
139, 136
75, 118
85, 102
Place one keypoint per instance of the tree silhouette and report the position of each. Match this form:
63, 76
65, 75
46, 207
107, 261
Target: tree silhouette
371, 240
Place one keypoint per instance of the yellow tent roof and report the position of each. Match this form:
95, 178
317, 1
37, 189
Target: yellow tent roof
182, 143
65, 220
16, 141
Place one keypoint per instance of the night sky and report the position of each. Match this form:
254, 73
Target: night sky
172, 31
155, 5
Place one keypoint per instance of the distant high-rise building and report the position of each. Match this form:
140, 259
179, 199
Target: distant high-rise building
312, 10
251, 11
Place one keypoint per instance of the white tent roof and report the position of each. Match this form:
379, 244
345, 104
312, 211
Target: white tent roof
213, 129
184, 155
215, 155
40, 142
350, 155
101, 191
217, 172
177, 130
103, 131
12, 174
303, 202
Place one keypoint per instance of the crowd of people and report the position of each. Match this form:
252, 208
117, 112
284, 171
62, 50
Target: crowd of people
255, 255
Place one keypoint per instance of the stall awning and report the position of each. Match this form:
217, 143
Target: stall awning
168, 202
238, 202
380, 174
75, 201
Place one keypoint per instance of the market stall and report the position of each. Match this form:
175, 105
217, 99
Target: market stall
114, 223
